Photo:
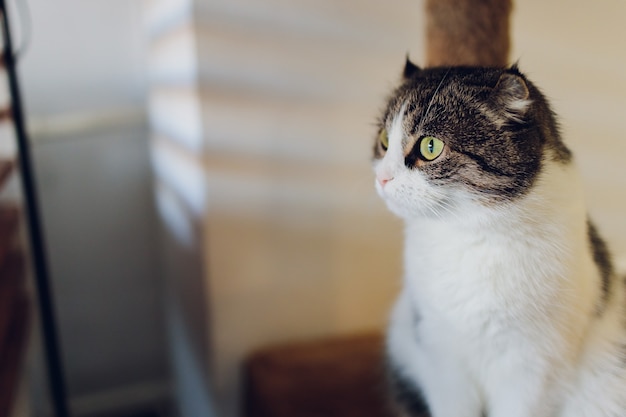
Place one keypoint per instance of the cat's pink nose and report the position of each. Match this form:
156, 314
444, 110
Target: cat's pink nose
384, 180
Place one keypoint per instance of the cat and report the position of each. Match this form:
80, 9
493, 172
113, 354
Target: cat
510, 306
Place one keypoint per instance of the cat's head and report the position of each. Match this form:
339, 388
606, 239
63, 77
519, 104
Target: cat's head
450, 137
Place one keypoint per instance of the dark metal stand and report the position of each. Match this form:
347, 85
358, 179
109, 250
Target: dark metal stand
46, 305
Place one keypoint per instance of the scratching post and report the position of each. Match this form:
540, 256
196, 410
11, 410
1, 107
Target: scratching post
467, 32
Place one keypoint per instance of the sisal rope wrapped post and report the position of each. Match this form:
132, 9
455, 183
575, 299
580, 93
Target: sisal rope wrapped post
467, 32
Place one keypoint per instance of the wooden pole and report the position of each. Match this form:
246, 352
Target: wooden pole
467, 32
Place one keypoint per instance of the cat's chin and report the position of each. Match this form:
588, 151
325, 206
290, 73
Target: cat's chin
407, 212
399, 211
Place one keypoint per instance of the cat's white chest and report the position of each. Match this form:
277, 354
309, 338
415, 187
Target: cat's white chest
482, 288
470, 272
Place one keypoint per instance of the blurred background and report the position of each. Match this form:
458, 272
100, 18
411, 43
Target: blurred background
203, 171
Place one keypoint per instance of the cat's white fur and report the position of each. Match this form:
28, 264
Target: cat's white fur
498, 308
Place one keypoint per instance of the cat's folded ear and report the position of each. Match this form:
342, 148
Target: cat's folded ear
511, 95
410, 68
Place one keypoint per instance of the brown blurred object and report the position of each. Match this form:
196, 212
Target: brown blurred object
468, 32
339, 377
14, 305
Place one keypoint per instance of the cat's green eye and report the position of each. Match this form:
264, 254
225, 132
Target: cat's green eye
430, 148
383, 139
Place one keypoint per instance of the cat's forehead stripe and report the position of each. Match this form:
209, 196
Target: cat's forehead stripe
396, 132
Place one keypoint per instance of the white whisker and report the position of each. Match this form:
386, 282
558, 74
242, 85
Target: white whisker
430, 102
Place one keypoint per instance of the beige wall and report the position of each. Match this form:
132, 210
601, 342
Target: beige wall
272, 183
575, 52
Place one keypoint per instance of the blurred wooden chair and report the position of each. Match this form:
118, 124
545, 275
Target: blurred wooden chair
14, 304
337, 377
15, 308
